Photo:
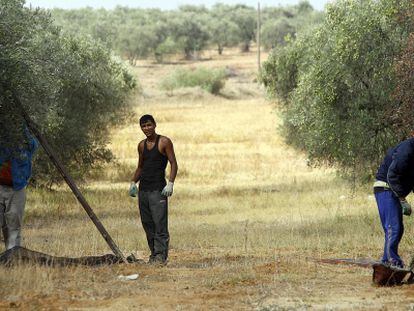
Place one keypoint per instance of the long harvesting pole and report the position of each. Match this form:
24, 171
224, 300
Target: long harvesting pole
258, 36
71, 183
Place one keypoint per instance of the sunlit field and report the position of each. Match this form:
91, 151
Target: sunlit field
247, 219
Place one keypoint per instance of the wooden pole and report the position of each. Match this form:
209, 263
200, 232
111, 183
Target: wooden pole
71, 183
258, 36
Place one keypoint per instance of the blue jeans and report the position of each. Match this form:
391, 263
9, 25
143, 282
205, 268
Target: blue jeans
390, 212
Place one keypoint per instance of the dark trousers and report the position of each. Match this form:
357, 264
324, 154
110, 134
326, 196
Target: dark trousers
153, 207
390, 212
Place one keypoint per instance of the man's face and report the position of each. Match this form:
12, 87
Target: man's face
148, 128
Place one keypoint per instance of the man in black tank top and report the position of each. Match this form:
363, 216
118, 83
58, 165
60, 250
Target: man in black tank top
153, 154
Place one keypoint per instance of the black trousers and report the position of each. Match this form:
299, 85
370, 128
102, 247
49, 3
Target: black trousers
153, 207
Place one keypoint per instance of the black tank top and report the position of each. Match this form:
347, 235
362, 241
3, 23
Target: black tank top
153, 168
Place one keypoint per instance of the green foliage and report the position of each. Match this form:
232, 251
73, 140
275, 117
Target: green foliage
282, 23
403, 114
280, 72
136, 42
168, 46
71, 86
336, 83
245, 18
190, 33
276, 32
211, 80
223, 32
138, 33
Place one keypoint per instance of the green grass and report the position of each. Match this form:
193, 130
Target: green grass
210, 80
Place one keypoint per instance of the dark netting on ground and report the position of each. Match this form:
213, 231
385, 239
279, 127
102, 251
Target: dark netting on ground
388, 276
383, 275
19, 255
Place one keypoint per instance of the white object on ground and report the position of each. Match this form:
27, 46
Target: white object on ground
128, 277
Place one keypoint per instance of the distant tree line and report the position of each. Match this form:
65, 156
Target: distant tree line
141, 33
346, 86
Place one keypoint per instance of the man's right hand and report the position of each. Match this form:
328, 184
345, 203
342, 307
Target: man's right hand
406, 207
133, 190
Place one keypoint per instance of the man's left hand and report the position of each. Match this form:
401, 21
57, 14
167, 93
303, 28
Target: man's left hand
406, 207
168, 189
133, 190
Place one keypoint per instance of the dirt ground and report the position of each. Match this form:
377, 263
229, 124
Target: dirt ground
201, 281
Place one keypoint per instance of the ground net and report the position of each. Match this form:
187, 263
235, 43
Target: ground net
18, 255
383, 275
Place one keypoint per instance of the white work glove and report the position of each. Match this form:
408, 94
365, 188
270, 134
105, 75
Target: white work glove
133, 190
406, 207
168, 189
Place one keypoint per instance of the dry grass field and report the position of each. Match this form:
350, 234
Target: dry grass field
247, 218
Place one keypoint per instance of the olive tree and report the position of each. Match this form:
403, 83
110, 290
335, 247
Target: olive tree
223, 33
275, 32
337, 83
190, 33
71, 87
245, 18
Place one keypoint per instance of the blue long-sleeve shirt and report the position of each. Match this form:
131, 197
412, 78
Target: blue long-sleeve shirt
21, 161
397, 168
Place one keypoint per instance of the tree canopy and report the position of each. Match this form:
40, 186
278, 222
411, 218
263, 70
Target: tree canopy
337, 84
72, 87
139, 33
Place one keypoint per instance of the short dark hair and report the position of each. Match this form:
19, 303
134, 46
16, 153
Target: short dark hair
145, 118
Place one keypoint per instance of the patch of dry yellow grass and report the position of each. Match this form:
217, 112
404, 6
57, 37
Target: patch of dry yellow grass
246, 212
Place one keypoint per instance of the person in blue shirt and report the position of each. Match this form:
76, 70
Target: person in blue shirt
394, 181
15, 171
